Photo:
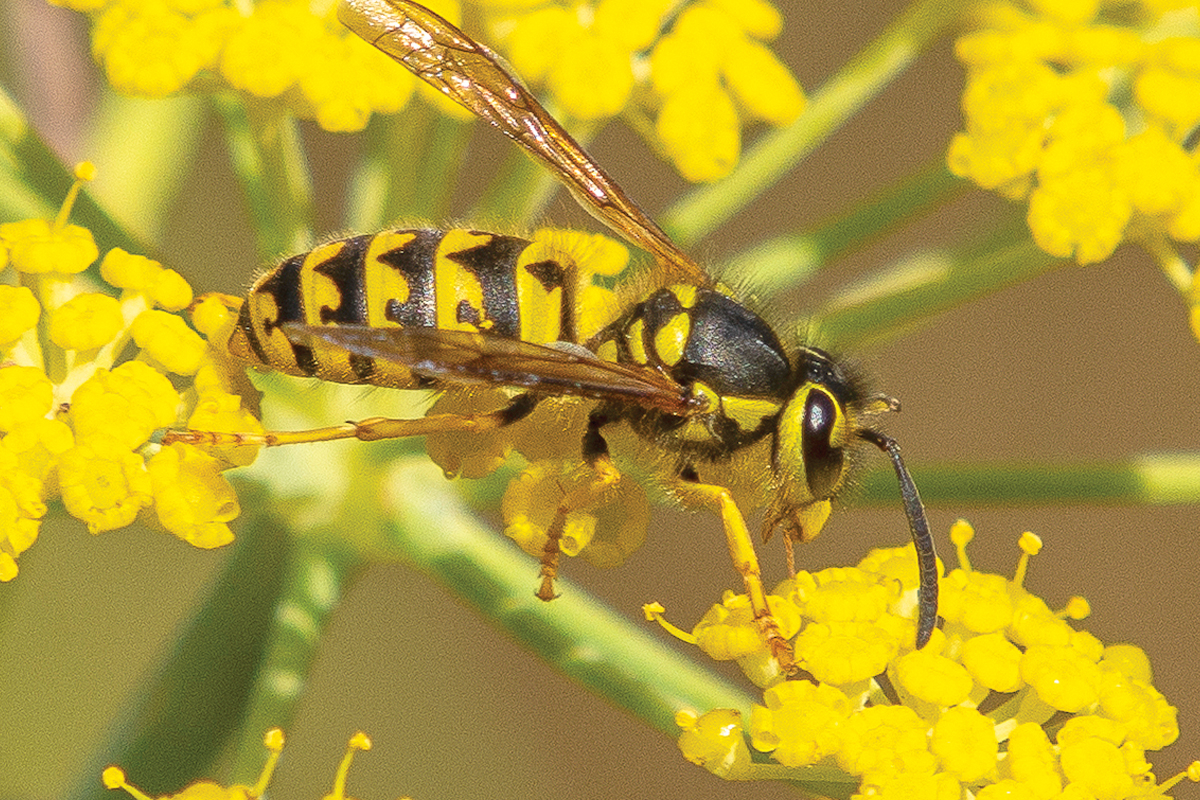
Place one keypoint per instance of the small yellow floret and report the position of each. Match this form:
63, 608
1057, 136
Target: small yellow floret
86, 321
35, 246
103, 485
848, 594
993, 661
1149, 720
980, 601
1097, 766
933, 678
593, 77
699, 129
151, 50
846, 652
19, 312
800, 723
729, 631
171, 290
127, 404
128, 271
25, 394
965, 741
884, 741
268, 51
1032, 761
192, 499
714, 741
762, 84
1064, 678
1156, 172
168, 340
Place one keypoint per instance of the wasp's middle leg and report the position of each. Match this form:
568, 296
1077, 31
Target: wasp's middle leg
605, 477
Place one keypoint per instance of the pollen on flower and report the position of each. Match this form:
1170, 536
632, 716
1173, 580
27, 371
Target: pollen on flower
1022, 706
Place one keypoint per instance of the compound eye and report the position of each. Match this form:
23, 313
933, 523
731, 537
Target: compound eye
823, 462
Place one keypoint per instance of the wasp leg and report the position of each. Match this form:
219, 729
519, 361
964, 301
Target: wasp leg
367, 430
606, 476
745, 559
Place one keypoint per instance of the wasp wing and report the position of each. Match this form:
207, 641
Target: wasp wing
466, 357
475, 77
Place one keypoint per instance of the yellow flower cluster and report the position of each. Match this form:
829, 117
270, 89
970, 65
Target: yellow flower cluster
701, 69
975, 709
85, 381
114, 777
1091, 120
284, 49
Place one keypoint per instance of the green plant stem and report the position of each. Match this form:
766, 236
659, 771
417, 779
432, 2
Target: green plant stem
1152, 479
786, 261
318, 568
269, 163
175, 727
912, 292
576, 634
705, 208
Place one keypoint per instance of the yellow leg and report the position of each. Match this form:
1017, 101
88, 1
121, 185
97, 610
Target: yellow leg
367, 430
745, 561
606, 477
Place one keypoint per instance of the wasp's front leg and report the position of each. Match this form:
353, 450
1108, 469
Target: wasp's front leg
745, 559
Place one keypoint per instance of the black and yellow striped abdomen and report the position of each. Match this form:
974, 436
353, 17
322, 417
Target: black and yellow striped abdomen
452, 280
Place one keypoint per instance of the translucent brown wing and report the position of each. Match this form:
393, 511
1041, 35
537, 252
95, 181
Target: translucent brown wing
474, 76
463, 357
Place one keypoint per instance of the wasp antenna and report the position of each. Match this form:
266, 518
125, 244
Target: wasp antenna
918, 524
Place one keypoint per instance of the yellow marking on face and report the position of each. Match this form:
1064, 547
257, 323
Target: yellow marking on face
635, 337
384, 282
671, 339
318, 290
453, 284
686, 295
540, 309
748, 413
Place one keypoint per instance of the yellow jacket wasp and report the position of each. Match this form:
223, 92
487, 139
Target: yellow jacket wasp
692, 370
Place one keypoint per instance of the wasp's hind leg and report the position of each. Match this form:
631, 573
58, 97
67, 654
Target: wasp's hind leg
367, 430
605, 477
745, 559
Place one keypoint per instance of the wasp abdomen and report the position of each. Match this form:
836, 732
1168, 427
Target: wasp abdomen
453, 280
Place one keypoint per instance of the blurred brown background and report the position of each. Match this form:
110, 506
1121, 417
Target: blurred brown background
1082, 364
